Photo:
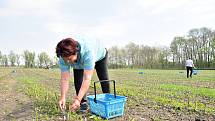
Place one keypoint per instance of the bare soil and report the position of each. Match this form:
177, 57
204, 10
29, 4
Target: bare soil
14, 104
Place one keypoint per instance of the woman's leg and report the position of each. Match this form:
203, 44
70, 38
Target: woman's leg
102, 73
78, 79
191, 71
187, 71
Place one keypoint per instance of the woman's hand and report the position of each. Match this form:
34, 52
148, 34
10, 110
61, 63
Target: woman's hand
75, 105
62, 103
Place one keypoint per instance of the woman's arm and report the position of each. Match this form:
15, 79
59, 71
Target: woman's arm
84, 87
64, 84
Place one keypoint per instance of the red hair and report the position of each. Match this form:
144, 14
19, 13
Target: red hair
66, 47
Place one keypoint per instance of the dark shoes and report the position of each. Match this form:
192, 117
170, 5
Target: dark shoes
83, 107
189, 76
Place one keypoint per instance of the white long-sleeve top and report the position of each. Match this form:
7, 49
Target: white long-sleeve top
189, 63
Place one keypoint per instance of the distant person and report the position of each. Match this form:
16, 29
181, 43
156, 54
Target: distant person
189, 66
83, 55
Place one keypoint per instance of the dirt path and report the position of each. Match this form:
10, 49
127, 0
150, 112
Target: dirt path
14, 104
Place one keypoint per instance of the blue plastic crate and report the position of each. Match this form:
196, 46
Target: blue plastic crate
107, 105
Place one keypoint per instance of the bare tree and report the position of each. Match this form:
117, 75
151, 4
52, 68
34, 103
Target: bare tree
29, 58
44, 60
12, 58
4, 60
18, 60
0, 58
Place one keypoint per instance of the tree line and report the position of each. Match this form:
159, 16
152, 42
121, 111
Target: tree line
198, 44
30, 59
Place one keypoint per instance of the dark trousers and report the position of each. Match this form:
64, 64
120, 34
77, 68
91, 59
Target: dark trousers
102, 73
189, 69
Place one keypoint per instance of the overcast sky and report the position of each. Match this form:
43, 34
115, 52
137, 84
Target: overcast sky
38, 25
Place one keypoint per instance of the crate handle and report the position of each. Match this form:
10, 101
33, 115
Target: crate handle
104, 81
